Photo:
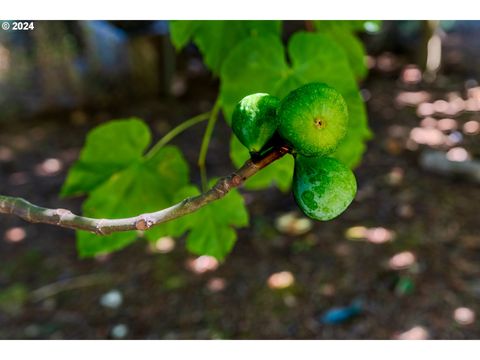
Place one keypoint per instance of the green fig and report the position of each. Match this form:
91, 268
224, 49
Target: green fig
254, 120
313, 119
322, 186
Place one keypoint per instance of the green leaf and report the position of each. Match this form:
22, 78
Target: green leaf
217, 38
144, 186
369, 26
256, 65
318, 58
343, 33
279, 173
259, 65
213, 226
181, 32
109, 148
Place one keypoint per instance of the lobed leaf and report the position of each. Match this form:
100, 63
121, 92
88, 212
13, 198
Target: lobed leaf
216, 38
314, 57
144, 186
213, 226
109, 148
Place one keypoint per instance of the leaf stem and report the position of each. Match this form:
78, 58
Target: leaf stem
206, 142
176, 131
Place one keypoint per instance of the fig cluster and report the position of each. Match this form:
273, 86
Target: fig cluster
311, 120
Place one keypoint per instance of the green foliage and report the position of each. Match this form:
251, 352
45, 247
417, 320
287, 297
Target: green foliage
142, 187
353, 47
215, 39
121, 180
314, 57
98, 162
212, 226
146, 183
344, 34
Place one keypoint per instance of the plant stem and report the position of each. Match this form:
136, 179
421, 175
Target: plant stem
206, 142
176, 131
65, 218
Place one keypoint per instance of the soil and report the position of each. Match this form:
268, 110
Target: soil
432, 221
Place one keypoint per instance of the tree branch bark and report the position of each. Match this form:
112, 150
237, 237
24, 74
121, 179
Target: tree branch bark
65, 218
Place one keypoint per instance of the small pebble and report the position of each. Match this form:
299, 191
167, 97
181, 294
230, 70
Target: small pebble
119, 331
112, 300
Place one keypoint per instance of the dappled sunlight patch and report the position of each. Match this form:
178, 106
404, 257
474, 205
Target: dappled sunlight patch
375, 235
281, 280
412, 98
425, 109
464, 316
455, 106
458, 154
216, 284
202, 264
379, 235
427, 136
440, 106
402, 260
474, 93
15, 235
415, 333
163, 245
293, 224
356, 233
472, 105
471, 127
411, 75
49, 167
429, 122
447, 124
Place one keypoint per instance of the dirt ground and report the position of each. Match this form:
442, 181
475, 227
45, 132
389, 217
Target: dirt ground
408, 248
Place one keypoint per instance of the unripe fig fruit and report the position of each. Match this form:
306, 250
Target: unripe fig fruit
323, 187
254, 120
313, 119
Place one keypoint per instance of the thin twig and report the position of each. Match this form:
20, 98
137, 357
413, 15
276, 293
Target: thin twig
206, 142
65, 218
69, 284
176, 131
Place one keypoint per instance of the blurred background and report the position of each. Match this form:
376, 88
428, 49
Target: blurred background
403, 262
